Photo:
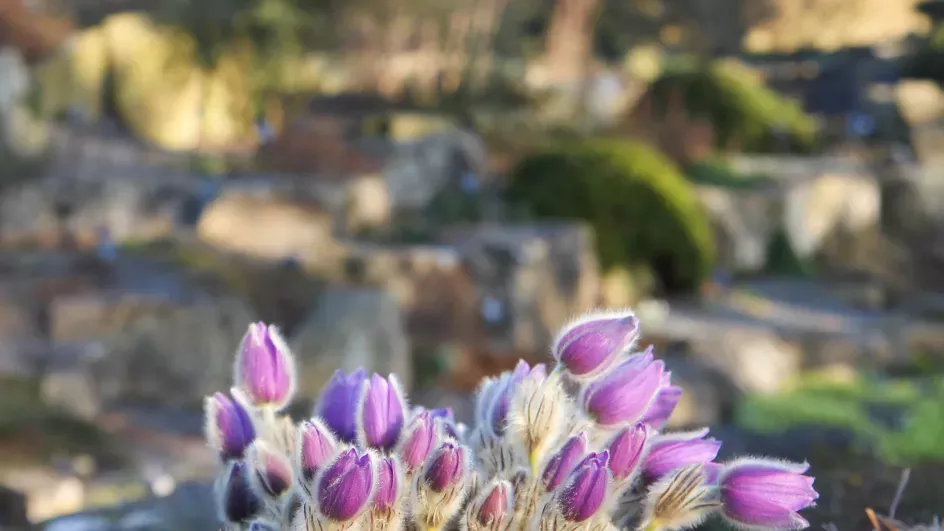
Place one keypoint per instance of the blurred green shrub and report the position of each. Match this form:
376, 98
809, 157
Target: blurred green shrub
746, 115
642, 209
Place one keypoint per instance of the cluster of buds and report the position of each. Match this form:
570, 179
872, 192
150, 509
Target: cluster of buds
579, 447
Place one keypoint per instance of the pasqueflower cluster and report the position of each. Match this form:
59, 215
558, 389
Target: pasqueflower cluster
579, 447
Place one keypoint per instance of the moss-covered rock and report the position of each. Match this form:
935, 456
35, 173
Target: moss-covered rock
642, 209
744, 113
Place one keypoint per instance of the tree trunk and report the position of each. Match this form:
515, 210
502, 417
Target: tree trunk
569, 40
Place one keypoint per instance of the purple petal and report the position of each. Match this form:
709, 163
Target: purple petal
663, 407
445, 468
346, 486
229, 426
760, 512
273, 471
593, 347
586, 491
387, 488
263, 367
564, 461
624, 395
338, 403
667, 455
317, 447
419, 441
496, 505
381, 413
240, 503
626, 451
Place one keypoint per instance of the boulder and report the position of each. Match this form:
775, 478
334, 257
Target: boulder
530, 279
169, 349
20, 334
13, 513
68, 382
351, 328
810, 202
267, 226
437, 295
418, 170
115, 199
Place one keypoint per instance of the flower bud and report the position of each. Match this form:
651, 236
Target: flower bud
338, 403
627, 450
590, 345
625, 394
238, 502
676, 450
680, 500
492, 510
537, 418
272, 472
346, 486
509, 382
418, 441
380, 413
229, 429
442, 485
563, 462
390, 484
446, 467
265, 370
766, 493
585, 492
316, 446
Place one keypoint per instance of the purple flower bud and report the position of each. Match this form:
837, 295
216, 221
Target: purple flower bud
564, 461
272, 472
418, 441
339, 401
664, 405
239, 502
591, 345
625, 394
380, 415
494, 507
316, 446
671, 451
764, 493
229, 428
627, 450
586, 490
388, 488
446, 467
265, 370
508, 384
346, 486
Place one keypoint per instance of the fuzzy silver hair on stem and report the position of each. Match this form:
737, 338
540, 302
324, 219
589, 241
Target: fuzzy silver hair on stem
579, 447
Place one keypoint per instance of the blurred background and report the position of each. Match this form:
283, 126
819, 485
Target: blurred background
433, 187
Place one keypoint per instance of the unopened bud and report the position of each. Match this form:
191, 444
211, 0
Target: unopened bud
265, 368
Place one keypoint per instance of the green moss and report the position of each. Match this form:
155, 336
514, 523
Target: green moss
746, 115
848, 406
644, 213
